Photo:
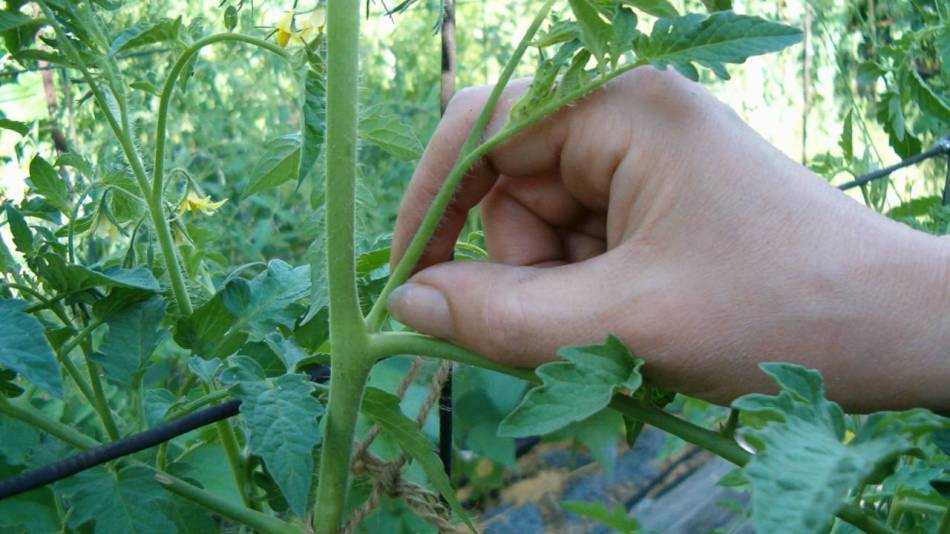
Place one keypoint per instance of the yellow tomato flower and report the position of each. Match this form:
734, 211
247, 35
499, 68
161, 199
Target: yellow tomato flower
196, 203
299, 31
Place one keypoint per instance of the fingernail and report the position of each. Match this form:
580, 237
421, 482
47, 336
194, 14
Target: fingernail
422, 308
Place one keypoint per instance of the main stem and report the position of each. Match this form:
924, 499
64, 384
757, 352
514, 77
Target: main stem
349, 339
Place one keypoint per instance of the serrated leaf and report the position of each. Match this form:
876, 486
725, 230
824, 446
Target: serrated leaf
70, 159
574, 388
146, 33
595, 33
16, 126
624, 26
599, 434
391, 134
133, 335
383, 409
282, 419
278, 164
265, 302
713, 40
68, 279
314, 112
942, 44
24, 348
806, 466
205, 331
22, 235
617, 518
657, 8
927, 99
890, 115
127, 501
49, 184
204, 369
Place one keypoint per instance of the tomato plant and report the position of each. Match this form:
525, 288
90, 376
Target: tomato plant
113, 320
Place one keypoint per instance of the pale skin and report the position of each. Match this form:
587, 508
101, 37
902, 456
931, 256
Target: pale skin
651, 211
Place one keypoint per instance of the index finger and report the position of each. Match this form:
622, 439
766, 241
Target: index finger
532, 152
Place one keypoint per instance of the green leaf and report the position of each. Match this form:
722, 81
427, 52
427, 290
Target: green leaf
22, 235
657, 8
69, 279
49, 184
133, 335
806, 467
146, 33
127, 501
11, 20
75, 161
266, 301
16, 126
32, 512
600, 434
624, 26
24, 348
205, 331
846, 142
230, 18
890, 114
711, 41
595, 32
915, 208
575, 388
314, 117
927, 99
391, 134
616, 518
383, 409
942, 44
282, 418
278, 164
8, 387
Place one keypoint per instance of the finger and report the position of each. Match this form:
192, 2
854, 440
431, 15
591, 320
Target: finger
514, 234
537, 151
511, 314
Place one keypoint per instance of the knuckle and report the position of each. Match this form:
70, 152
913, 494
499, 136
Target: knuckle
467, 102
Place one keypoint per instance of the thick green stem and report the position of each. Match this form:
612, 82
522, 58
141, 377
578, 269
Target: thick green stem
348, 336
346, 393
408, 261
391, 344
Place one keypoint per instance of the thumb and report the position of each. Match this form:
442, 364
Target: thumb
515, 315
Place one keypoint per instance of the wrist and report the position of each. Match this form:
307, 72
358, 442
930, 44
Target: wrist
903, 318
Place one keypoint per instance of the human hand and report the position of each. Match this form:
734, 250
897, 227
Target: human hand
649, 210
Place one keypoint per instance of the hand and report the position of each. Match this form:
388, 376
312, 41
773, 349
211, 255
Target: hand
651, 211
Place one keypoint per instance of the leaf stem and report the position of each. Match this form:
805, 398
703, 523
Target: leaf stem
256, 520
391, 344
158, 173
434, 214
100, 404
229, 442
